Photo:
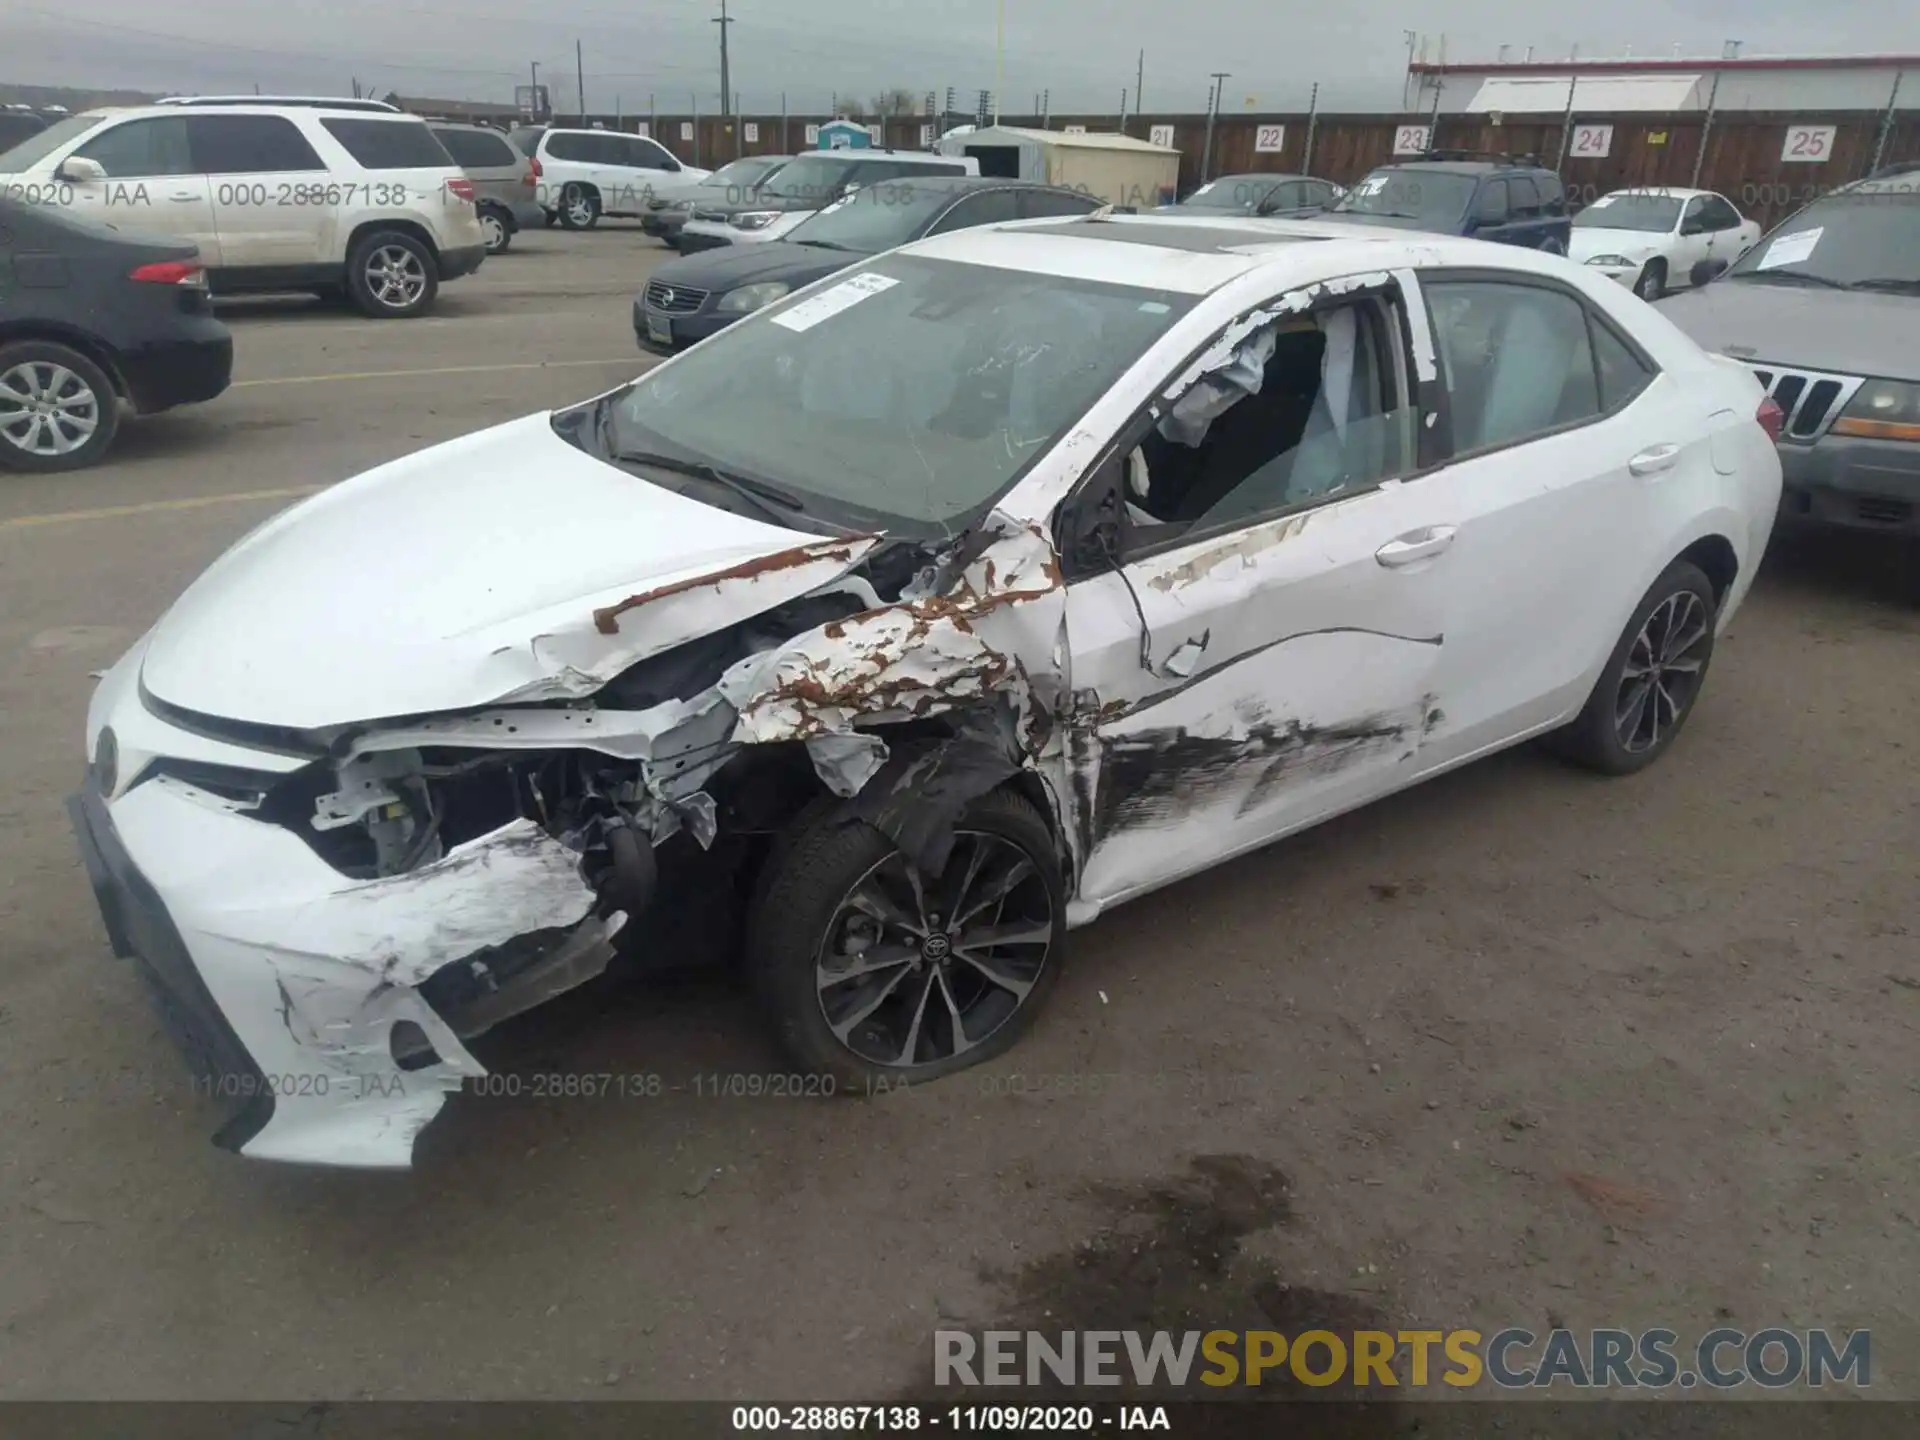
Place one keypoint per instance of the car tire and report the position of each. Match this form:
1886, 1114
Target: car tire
1554, 245
814, 901
58, 409
1651, 283
391, 275
497, 229
550, 218
1624, 726
579, 207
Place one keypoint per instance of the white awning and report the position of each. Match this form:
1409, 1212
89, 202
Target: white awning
1597, 94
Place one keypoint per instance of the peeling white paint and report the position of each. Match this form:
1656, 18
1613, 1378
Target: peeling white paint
1414, 307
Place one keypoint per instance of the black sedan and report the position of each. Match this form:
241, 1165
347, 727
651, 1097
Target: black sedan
1260, 193
690, 298
91, 317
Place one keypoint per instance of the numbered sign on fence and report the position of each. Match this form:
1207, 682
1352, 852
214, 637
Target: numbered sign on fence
1807, 144
1073, 129
1269, 139
1412, 139
643, 127
1591, 142
1161, 135
926, 137
686, 129
753, 132
877, 135
813, 134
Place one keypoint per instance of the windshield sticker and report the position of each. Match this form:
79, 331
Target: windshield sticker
1153, 307
828, 303
1372, 185
1203, 189
1790, 249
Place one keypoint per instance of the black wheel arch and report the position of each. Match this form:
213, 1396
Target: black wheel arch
54, 332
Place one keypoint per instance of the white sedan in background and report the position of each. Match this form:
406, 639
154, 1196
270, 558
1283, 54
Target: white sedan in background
1656, 240
1152, 540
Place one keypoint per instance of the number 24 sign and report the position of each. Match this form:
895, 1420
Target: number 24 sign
1807, 144
1592, 142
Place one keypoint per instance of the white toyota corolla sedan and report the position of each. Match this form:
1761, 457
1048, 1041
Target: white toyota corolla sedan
897, 630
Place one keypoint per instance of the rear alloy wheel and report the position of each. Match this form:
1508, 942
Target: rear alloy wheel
1652, 281
875, 973
497, 233
58, 410
391, 275
1651, 680
579, 207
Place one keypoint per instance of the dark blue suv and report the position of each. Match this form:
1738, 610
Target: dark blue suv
1512, 200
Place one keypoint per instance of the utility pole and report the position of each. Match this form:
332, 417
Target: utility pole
999, 55
580, 78
1220, 78
726, 81
1140, 87
1313, 115
1886, 122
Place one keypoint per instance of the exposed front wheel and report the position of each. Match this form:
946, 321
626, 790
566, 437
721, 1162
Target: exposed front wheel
58, 410
1652, 679
579, 207
872, 972
391, 275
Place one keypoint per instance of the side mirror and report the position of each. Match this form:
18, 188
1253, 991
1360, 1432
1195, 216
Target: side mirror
1094, 544
79, 170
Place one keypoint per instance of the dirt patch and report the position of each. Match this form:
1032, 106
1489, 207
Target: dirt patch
1169, 1254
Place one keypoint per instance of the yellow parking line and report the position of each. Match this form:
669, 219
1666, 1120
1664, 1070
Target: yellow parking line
637, 361
192, 502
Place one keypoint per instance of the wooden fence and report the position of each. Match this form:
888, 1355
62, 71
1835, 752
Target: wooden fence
1745, 159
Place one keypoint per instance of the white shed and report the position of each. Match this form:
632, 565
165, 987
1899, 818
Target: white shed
1118, 169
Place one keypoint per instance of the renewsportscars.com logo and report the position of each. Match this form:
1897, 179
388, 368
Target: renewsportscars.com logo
1511, 1359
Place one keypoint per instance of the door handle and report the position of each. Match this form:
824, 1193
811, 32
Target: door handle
1415, 545
183, 197
1654, 460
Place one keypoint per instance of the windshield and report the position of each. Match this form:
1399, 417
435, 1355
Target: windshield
35, 148
811, 177
1862, 239
745, 173
875, 218
907, 395
1652, 213
1231, 192
1430, 195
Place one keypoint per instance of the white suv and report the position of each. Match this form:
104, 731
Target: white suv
321, 195
585, 174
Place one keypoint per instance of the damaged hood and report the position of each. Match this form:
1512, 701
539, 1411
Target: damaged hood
504, 566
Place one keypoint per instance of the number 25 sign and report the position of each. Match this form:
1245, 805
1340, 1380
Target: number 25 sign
1807, 144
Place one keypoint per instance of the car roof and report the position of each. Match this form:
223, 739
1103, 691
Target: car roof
1194, 256
1274, 175
1455, 167
889, 155
1662, 192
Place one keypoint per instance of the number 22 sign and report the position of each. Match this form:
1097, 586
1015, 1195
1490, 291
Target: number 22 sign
1269, 139
1807, 144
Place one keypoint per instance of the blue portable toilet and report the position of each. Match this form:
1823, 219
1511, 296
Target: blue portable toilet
845, 135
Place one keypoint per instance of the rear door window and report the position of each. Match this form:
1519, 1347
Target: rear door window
475, 150
1518, 360
1523, 197
1035, 204
390, 144
991, 208
644, 154
249, 145
142, 148
1719, 214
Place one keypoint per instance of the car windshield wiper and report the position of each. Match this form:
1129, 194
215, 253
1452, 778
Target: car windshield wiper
758, 493
824, 244
1386, 214
1789, 277
1894, 283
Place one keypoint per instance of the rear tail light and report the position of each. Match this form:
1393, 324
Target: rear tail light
172, 272
534, 172
462, 188
1771, 417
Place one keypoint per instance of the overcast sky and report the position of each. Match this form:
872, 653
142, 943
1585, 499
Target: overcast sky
1083, 51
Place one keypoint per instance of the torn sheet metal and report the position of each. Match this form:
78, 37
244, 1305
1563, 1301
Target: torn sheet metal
656, 733
845, 763
916, 658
